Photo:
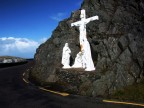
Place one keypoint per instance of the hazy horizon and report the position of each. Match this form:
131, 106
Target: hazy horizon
25, 24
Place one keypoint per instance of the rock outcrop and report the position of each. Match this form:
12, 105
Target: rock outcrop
10, 59
117, 44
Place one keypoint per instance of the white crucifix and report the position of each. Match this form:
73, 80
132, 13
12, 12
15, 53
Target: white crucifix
85, 54
82, 25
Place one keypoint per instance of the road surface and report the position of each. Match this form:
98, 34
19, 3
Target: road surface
15, 93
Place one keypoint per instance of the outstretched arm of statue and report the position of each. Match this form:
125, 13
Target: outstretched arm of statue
75, 24
92, 19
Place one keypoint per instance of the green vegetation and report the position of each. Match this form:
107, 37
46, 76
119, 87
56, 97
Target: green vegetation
9, 57
134, 92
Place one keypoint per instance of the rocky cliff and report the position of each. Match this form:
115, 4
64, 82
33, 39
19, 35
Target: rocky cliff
117, 44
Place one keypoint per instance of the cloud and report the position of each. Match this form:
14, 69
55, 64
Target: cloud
58, 17
44, 39
21, 47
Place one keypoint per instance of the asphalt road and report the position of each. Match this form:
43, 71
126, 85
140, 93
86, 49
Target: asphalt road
15, 93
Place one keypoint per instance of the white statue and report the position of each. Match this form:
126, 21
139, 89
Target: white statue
87, 58
78, 61
84, 44
82, 25
66, 56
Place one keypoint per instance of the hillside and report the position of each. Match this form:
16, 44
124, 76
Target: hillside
11, 59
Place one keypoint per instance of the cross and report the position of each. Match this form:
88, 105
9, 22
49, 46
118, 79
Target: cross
82, 25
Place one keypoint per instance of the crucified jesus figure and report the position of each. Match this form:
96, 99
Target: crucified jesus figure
82, 25
87, 62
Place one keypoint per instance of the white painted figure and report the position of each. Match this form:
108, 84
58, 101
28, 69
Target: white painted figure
78, 61
87, 58
66, 56
87, 62
82, 25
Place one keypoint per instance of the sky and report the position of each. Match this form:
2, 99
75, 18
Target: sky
25, 24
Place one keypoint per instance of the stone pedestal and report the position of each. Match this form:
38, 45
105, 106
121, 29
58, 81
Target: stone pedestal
75, 81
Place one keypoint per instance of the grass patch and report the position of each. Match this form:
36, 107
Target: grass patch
134, 92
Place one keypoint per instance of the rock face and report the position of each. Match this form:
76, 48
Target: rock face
117, 44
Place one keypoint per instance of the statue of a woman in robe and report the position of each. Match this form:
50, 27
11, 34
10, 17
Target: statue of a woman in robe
66, 56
